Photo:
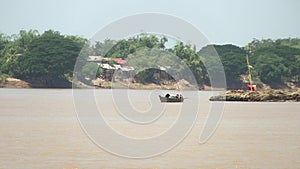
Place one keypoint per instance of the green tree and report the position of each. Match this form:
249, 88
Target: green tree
15, 48
277, 65
271, 70
101, 48
51, 58
187, 53
233, 59
128, 46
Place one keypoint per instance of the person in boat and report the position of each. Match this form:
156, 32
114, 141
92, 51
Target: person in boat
172, 97
178, 96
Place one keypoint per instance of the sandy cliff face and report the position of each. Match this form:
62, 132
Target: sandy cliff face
13, 83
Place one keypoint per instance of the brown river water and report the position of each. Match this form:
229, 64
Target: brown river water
39, 128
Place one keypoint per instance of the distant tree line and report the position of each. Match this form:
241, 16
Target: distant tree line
50, 58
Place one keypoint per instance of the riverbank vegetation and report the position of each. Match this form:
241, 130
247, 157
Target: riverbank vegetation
47, 59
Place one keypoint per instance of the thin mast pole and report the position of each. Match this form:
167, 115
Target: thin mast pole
249, 69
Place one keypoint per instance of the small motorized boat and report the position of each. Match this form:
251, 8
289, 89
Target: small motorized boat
169, 98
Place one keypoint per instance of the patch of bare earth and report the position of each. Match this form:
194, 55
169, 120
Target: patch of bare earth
13, 83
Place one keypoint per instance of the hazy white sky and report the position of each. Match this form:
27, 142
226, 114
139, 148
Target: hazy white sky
221, 21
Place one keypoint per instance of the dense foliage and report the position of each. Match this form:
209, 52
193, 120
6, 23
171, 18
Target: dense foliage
50, 57
277, 63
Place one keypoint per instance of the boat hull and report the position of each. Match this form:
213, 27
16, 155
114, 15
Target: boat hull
170, 99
